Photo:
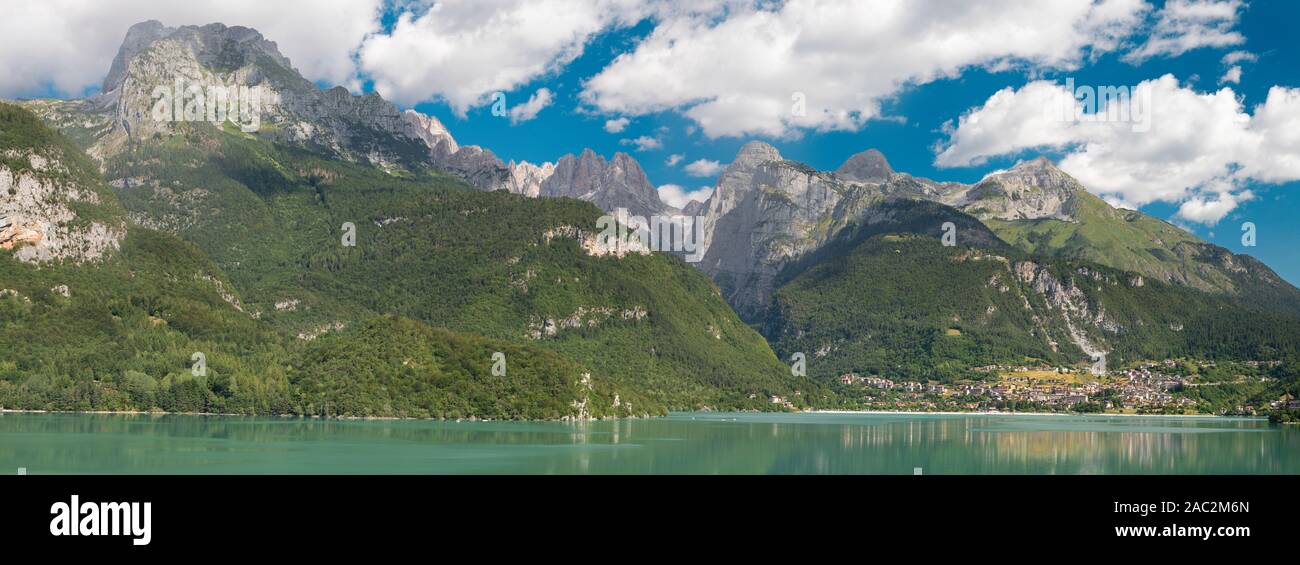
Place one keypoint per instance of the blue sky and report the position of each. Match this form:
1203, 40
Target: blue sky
912, 78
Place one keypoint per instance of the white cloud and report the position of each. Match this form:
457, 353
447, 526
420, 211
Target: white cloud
1232, 75
1201, 150
1239, 57
739, 74
1184, 25
68, 45
674, 159
462, 51
616, 125
677, 197
704, 168
643, 143
528, 110
1200, 209
1009, 121
1274, 149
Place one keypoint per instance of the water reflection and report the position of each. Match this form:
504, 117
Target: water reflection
682, 443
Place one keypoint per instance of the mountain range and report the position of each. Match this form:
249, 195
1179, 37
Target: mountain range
170, 235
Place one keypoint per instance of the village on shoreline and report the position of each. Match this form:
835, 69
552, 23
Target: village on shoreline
1166, 387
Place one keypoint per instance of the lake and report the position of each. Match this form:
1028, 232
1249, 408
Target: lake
692, 443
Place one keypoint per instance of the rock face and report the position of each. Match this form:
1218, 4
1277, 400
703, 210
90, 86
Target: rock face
431, 131
277, 102
16, 231
867, 166
1071, 304
766, 212
763, 212
526, 178
232, 75
1029, 191
218, 74
292, 110
138, 38
37, 217
617, 183
477, 166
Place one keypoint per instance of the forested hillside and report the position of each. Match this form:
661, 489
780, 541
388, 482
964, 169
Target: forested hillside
430, 248
889, 298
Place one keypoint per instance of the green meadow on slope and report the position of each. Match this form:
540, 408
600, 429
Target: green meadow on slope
1132, 241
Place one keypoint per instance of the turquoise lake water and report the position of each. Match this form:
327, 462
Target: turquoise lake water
682, 443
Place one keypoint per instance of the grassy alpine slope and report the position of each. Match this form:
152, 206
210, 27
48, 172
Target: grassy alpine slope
1131, 241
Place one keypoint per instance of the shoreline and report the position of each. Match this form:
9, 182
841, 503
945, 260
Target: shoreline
302, 417
831, 412
987, 413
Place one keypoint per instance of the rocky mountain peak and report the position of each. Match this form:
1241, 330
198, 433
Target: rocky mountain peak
138, 38
755, 153
214, 73
213, 46
527, 178
868, 166
1032, 189
617, 183
1040, 163
431, 131
1039, 174
624, 160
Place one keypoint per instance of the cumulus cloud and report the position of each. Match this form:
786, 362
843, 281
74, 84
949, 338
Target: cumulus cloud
827, 64
674, 159
1239, 57
1206, 211
67, 45
1231, 76
1184, 25
704, 168
462, 51
1233, 73
643, 143
616, 125
1200, 150
528, 110
677, 197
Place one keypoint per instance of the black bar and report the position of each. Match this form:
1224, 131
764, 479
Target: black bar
318, 515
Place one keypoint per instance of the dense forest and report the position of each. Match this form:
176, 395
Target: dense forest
260, 281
